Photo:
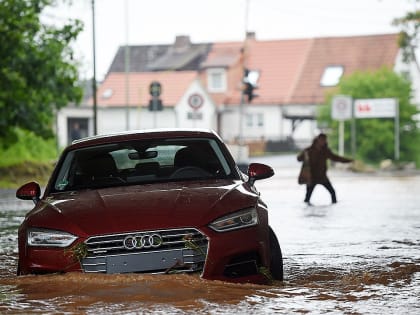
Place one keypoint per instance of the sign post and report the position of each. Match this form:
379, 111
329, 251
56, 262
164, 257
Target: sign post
195, 101
397, 131
341, 110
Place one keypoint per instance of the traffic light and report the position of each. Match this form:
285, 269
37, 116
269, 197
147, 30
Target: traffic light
155, 103
249, 91
250, 81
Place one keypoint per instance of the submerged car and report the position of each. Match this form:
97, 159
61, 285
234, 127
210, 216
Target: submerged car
161, 201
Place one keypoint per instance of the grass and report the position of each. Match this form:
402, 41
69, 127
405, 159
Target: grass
21, 173
31, 158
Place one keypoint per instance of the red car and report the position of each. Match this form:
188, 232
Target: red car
163, 201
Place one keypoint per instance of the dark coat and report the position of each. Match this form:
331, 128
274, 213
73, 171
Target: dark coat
318, 161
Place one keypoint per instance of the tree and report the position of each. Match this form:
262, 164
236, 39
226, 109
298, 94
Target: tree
37, 72
407, 40
375, 137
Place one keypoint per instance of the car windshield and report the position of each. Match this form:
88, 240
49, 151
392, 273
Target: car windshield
138, 162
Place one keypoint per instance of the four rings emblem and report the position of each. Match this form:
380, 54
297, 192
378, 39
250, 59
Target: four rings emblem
142, 241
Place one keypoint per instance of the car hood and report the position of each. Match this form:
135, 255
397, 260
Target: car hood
143, 207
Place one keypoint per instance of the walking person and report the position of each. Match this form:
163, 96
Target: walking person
316, 157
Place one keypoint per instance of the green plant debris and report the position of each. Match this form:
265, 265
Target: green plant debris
191, 244
78, 251
266, 273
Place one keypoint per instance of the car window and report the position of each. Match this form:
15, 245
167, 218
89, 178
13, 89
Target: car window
138, 162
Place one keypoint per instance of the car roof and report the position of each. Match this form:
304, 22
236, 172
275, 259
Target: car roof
143, 135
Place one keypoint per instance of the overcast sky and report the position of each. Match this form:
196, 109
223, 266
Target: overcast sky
119, 22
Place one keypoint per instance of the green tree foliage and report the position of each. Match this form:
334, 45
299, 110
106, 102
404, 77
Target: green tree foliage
37, 72
410, 25
375, 137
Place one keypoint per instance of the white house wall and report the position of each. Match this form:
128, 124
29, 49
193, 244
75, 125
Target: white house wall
272, 122
275, 126
201, 116
413, 71
113, 119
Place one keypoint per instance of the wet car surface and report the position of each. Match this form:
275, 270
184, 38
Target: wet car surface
150, 202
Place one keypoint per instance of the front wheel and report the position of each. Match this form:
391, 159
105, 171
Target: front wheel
18, 271
276, 258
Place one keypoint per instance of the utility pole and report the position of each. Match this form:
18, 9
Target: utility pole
127, 71
94, 88
242, 100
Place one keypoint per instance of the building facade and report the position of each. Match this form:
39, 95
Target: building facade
202, 86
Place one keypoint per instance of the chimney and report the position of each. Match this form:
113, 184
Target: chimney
182, 43
251, 35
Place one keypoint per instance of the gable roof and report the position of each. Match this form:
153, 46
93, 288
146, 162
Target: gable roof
180, 56
174, 84
356, 53
280, 65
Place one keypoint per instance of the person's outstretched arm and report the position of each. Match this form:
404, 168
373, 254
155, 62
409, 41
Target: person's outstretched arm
338, 158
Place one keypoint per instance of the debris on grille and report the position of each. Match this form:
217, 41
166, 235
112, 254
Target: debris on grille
160, 251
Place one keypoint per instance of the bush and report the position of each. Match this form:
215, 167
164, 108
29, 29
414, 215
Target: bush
28, 148
30, 158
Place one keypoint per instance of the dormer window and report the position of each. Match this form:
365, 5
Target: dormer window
216, 80
331, 75
107, 93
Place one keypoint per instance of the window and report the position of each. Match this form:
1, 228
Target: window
141, 161
254, 120
216, 80
249, 120
260, 120
107, 93
331, 75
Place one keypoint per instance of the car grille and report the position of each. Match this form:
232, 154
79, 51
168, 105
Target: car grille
158, 251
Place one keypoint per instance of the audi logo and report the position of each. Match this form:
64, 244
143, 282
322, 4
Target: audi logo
143, 241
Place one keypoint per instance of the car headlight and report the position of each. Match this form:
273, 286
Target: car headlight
50, 238
238, 220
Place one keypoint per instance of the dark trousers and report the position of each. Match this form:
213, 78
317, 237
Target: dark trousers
326, 184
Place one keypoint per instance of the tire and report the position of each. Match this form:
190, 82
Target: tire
18, 271
276, 258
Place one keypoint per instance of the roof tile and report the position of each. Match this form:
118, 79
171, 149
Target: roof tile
174, 84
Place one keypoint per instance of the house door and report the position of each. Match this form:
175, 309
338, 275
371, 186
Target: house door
77, 128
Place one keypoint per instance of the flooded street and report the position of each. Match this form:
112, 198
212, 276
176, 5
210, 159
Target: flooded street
359, 256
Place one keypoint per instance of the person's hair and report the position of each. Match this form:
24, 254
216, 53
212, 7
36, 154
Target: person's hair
322, 136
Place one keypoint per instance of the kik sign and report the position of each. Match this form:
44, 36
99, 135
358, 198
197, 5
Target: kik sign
375, 108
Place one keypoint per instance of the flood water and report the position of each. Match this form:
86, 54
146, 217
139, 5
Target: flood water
359, 256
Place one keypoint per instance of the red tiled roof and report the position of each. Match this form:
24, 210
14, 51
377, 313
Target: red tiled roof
174, 84
280, 65
223, 54
353, 53
290, 70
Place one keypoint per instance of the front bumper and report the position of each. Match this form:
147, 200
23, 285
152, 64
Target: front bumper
234, 256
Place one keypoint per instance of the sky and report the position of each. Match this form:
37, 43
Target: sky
143, 22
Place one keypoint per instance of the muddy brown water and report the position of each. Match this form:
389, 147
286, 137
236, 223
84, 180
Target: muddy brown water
359, 256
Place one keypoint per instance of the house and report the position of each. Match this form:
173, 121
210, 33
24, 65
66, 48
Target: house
202, 86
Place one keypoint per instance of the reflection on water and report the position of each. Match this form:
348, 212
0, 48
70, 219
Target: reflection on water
360, 256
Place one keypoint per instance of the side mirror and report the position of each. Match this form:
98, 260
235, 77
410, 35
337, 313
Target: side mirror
29, 191
259, 171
